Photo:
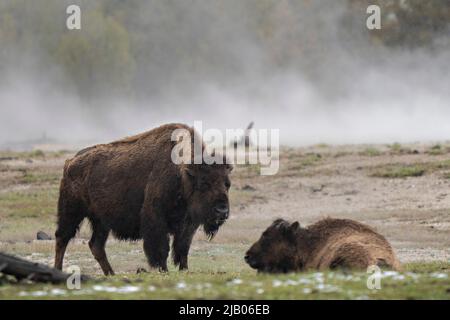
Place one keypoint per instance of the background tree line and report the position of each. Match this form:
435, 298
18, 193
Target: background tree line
137, 48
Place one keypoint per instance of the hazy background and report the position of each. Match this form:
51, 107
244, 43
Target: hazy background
308, 67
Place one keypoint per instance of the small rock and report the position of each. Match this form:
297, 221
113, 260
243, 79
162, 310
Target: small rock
248, 187
318, 188
41, 235
141, 270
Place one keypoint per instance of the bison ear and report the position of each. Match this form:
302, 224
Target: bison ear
294, 226
291, 231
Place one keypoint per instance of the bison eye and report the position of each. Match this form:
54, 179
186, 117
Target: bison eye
227, 185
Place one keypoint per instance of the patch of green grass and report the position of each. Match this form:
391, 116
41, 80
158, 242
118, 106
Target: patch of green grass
254, 168
398, 171
307, 160
27, 203
22, 155
247, 170
395, 147
427, 267
322, 145
398, 149
441, 165
340, 154
437, 149
23, 213
370, 152
247, 284
39, 177
35, 154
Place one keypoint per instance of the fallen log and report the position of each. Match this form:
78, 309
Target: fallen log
23, 269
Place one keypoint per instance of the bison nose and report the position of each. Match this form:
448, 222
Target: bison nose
222, 211
251, 261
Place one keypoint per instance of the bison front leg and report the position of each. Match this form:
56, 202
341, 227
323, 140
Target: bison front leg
158, 204
181, 245
156, 243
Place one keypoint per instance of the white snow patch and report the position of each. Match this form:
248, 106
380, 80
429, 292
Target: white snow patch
124, 289
181, 285
439, 275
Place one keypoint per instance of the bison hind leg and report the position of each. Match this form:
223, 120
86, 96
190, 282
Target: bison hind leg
97, 245
339, 263
69, 219
350, 256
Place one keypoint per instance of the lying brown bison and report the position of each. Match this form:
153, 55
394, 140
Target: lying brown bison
133, 189
327, 244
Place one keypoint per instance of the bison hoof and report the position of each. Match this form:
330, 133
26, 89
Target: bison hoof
163, 269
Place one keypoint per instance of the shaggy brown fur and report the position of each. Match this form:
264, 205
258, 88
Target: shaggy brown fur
132, 188
327, 244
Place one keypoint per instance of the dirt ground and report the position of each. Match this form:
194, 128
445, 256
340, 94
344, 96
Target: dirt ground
401, 190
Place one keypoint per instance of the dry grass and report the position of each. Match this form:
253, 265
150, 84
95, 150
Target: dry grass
312, 183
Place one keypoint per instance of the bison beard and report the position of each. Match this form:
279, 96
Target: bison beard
211, 229
131, 188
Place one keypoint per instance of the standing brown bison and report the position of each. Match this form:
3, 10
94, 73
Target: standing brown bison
133, 189
327, 244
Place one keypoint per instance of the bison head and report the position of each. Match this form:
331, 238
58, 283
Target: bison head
277, 250
206, 191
